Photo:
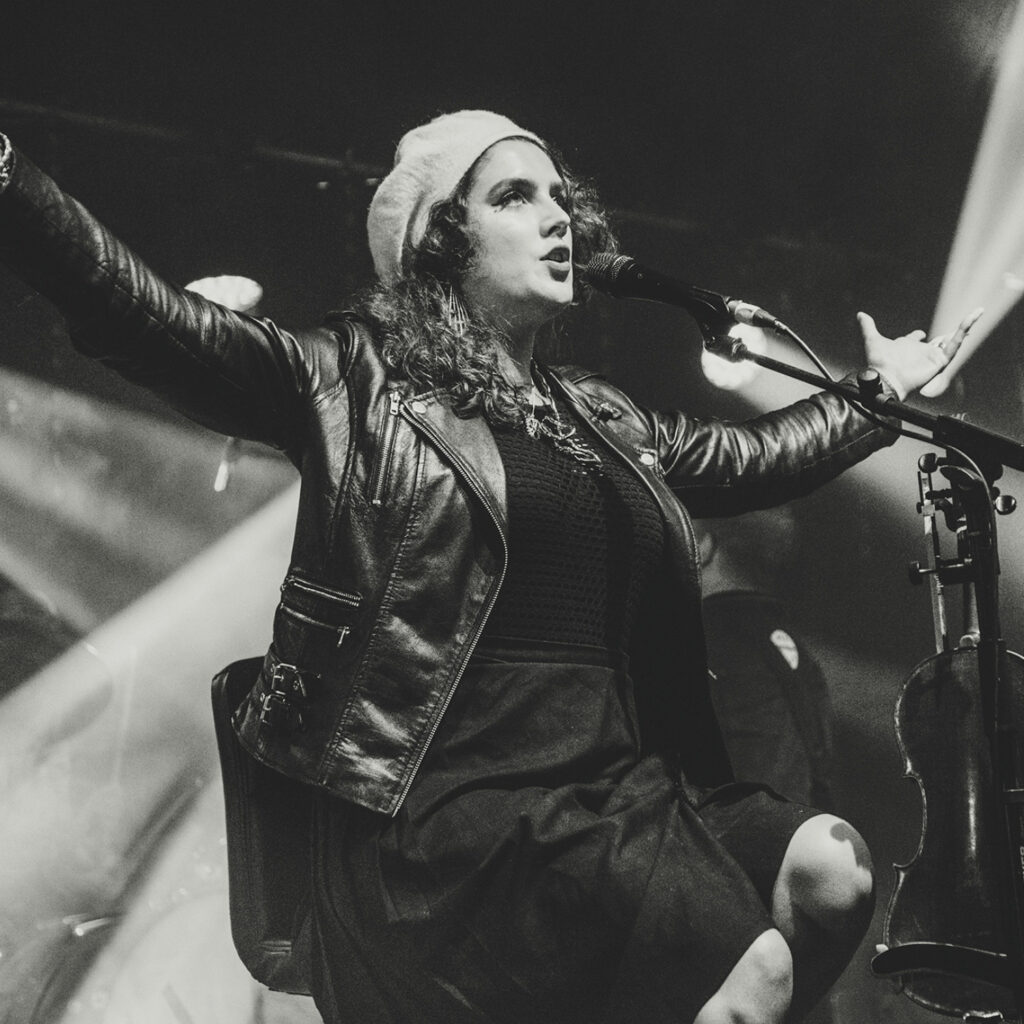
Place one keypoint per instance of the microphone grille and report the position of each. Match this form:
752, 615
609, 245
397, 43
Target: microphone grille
604, 269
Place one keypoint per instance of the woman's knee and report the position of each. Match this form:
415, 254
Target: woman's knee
827, 872
759, 987
769, 960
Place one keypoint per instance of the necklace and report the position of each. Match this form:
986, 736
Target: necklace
559, 432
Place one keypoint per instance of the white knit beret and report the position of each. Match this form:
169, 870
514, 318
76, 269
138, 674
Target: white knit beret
429, 163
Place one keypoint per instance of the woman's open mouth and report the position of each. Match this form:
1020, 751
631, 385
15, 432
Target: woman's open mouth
560, 254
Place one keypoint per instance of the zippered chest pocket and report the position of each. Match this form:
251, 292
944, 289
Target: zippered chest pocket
322, 612
387, 434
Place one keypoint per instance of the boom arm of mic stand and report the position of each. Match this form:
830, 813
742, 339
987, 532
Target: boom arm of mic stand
985, 446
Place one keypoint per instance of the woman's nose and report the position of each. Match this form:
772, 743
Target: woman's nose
557, 221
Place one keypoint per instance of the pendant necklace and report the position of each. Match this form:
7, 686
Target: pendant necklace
559, 432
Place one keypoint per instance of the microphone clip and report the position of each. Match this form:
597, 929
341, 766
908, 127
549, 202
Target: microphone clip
711, 314
725, 346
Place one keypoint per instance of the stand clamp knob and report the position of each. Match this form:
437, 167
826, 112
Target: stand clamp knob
869, 382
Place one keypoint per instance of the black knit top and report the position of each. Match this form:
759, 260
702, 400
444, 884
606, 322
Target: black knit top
584, 544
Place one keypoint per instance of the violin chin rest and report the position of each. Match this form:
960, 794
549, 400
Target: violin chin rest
946, 958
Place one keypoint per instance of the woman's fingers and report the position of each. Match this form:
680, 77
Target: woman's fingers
867, 324
949, 344
966, 324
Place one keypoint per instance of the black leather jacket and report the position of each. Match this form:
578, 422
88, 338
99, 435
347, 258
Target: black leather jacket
400, 544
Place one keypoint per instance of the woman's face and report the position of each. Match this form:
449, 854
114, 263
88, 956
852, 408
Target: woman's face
521, 272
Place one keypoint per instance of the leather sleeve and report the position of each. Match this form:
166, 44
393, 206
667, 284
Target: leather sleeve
233, 373
719, 468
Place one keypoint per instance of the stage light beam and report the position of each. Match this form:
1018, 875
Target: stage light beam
986, 263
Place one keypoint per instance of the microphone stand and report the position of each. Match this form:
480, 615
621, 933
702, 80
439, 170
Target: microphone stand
992, 452
984, 446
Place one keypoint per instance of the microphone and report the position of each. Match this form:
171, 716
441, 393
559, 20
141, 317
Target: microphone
624, 278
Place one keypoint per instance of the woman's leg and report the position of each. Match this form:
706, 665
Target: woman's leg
822, 904
758, 988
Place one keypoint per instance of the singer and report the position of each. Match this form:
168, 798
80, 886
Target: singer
487, 664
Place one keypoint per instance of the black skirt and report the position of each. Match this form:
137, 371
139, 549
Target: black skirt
540, 870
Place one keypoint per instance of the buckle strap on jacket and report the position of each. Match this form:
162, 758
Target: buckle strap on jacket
282, 705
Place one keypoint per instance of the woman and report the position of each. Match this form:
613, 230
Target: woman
488, 658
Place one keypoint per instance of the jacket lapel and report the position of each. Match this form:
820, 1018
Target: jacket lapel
469, 444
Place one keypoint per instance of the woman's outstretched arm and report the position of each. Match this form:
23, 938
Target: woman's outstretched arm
231, 372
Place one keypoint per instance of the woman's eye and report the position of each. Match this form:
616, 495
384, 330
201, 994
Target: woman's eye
511, 197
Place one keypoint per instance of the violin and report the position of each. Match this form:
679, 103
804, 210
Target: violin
954, 926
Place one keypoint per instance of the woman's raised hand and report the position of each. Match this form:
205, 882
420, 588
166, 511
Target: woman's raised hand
910, 361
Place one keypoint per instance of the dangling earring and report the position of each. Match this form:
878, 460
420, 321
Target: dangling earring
455, 310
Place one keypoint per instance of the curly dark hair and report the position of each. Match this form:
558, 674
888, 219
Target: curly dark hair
409, 321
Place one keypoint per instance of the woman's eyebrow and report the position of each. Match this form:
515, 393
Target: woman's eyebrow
523, 184
526, 185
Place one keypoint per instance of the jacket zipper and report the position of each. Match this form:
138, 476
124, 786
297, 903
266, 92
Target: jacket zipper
471, 646
342, 631
354, 600
385, 448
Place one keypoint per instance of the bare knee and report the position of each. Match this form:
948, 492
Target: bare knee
769, 961
826, 875
759, 987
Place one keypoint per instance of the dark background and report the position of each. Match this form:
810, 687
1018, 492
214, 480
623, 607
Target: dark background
809, 156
